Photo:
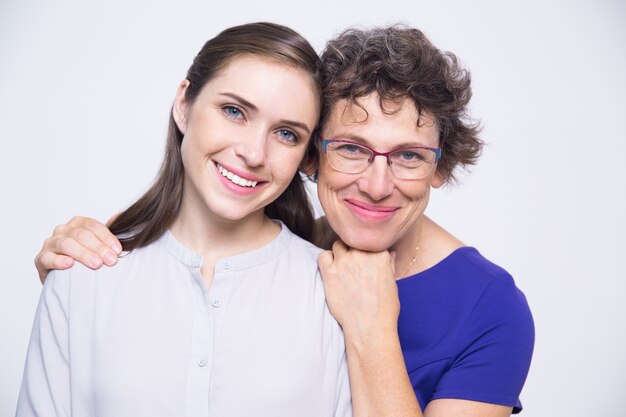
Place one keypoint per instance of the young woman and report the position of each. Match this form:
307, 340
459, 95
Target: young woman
394, 126
214, 309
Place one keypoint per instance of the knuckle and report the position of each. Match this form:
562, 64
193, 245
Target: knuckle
79, 221
47, 244
59, 230
89, 223
64, 244
81, 234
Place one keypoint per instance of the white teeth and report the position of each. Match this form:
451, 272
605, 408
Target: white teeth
235, 178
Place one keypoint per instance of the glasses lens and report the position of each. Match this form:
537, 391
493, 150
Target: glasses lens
414, 163
348, 157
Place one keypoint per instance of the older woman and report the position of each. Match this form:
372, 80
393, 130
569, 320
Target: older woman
394, 125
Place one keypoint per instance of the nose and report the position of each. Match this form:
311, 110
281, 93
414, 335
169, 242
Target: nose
252, 147
377, 180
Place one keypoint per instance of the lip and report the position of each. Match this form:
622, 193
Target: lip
240, 173
238, 189
370, 212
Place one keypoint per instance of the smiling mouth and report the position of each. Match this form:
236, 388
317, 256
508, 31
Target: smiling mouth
371, 212
234, 178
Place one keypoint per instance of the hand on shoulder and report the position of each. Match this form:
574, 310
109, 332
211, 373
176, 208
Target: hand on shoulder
82, 239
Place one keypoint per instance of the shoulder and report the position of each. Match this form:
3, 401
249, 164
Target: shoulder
60, 280
475, 288
299, 246
465, 268
497, 282
297, 257
79, 275
55, 294
498, 307
493, 284
495, 340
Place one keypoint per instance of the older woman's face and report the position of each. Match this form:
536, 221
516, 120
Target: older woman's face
374, 210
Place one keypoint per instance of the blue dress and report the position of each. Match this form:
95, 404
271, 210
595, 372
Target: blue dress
466, 331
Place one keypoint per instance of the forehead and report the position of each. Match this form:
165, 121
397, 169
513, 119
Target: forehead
248, 71
393, 125
270, 85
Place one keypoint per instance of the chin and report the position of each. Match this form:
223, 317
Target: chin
367, 243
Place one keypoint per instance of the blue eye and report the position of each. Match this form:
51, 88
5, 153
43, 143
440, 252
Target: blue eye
287, 135
351, 149
348, 148
232, 112
410, 156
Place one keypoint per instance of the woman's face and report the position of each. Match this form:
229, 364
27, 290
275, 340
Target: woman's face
244, 136
374, 210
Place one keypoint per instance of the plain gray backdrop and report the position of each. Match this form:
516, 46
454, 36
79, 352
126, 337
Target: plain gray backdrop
86, 87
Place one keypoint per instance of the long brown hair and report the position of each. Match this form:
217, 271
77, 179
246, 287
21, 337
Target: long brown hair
147, 218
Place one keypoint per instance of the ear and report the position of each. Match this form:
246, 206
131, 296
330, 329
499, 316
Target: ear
180, 108
438, 180
310, 164
311, 160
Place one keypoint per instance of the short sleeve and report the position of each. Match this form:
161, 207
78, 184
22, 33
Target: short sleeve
499, 338
45, 389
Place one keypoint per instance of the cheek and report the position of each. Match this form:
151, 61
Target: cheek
329, 188
185, 151
285, 162
418, 194
329, 180
190, 149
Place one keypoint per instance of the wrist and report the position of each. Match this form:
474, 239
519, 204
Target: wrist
363, 341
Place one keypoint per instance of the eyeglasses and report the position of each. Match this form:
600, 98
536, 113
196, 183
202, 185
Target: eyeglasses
412, 163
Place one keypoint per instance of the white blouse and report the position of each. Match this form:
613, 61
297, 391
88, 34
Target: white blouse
147, 338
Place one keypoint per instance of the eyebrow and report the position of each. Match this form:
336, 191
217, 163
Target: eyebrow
241, 100
251, 106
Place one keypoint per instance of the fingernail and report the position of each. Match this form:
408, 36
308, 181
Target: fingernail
117, 248
94, 262
109, 258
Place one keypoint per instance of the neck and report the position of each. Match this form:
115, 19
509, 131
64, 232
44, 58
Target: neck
214, 237
435, 244
408, 250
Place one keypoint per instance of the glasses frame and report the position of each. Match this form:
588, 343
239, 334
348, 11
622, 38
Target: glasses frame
375, 153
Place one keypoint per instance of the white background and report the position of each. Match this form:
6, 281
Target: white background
85, 91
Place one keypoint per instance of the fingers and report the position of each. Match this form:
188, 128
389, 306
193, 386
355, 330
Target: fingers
113, 218
104, 235
81, 245
95, 237
324, 260
339, 248
46, 261
82, 239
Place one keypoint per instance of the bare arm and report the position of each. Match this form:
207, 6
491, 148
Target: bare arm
362, 295
82, 239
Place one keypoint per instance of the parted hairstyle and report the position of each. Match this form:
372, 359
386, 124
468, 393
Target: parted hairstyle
146, 219
399, 62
